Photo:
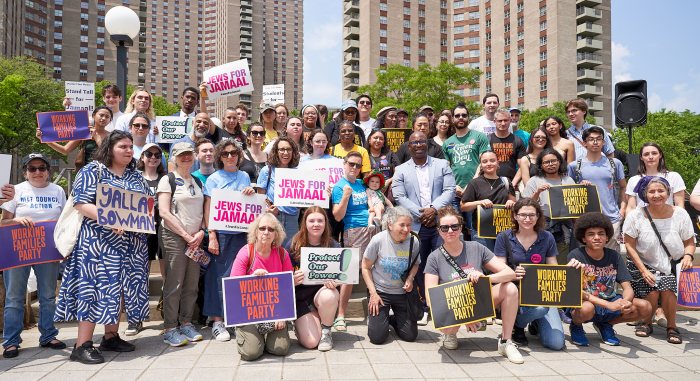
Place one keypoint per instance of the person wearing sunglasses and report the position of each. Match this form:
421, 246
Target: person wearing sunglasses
529, 243
140, 101
254, 152
527, 165
364, 108
36, 199
201, 127
348, 111
457, 259
223, 245
264, 254
348, 143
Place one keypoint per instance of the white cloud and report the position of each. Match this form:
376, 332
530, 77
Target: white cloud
685, 96
620, 64
324, 37
654, 102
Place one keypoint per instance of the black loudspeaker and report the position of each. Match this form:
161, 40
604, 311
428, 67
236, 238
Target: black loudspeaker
631, 103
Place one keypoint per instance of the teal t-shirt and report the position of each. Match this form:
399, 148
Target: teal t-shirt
357, 213
463, 154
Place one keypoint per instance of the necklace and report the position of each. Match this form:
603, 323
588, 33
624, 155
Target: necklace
491, 183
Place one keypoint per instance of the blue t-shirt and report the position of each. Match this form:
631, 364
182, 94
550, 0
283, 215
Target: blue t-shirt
600, 175
202, 177
545, 246
576, 137
226, 180
357, 213
523, 135
266, 181
600, 276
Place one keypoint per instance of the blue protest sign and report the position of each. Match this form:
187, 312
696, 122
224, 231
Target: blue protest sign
24, 246
61, 126
259, 299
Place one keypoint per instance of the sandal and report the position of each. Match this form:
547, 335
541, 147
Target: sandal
643, 330
340, 324
673, 336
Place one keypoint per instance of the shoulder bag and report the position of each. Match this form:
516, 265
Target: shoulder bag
413, 301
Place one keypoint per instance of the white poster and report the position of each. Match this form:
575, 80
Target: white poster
333, 167
233, 211
228, 79
301, 188
80, 96
5, 169
321, 264
172, 128
273, 94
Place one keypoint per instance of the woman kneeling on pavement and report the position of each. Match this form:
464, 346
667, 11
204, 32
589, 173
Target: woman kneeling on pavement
262, 255
385, 260
316, 304
528, 242
457, 259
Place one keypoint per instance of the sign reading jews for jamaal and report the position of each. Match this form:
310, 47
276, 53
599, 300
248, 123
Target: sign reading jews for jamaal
396, 136
461, 302
228, 79
61, 126
321, 264
550, 286
491, 221
332, 166
301, 188
259, 299
572, 201
118, 208
688, 287
81, 96
233, 211
172, 128
27, 245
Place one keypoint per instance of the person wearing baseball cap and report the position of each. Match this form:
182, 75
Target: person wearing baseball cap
514, 122
386, 118
348, 111
429, 112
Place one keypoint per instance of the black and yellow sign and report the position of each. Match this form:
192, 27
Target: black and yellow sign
491, 221
571, 201
396, 136
461, 302
550, 286
694, 216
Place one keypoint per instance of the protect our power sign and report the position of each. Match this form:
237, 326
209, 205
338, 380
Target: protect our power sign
122, 209
233, 211
301, 188
228, 79
321, 264
172, 128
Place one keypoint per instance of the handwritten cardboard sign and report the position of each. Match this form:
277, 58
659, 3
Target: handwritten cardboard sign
228, 79
259, 299
301, 188
491, 221
172, 128
61, 126
233, 211
81, 96
24, 246
460, 302
273, 94
396, 136
572, 201
321, 264
332, 166
689, 287
122, 209
550, 286
5, 169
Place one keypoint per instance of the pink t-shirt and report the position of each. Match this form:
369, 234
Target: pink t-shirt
272, 264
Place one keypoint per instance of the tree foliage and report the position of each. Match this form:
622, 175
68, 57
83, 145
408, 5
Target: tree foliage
410, 88
160, 105
530, 119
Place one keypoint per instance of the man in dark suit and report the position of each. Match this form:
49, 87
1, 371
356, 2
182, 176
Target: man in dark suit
423, 185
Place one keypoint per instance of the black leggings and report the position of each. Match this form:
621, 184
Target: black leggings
404, 326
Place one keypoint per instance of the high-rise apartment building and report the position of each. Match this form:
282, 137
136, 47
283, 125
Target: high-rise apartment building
179, 39
532, 53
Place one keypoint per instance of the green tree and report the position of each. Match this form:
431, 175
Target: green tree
530, 119
161, 106
410, 88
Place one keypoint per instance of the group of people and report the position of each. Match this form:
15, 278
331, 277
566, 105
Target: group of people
412, 213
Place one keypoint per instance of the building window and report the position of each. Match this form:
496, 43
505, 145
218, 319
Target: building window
473, 27
507, 97
521, 7
506, 83
521, 21
543, 101
488, 36
521, 35
543, 55
458, 4
506, 14
459, 55
458, 29
382, 7
406, 37
459, 42
543, 86
407, 11
458, 17
506, 28
382, 60
487, 75
521, 78
473, 40
543, 25
543, 71
382, 46
382, 32
543, 40
382, 20
543, 10
488, 23
474, 65
406, 23
474, 53
487, 62
521, 64
506, 41
407, 63
506, 68
474, 92
506, 55
474, 15
521, 49
406, 50
521, 93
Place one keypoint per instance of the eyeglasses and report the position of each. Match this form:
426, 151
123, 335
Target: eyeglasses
550, 162
150, 154
453, 227
42, 168
140, 126
267, 228
594, 140
418, 143
257, 133
526, 216
461, 116
229, 154
284, 150
354, 165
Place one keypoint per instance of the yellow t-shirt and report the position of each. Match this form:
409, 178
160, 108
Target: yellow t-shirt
340, 152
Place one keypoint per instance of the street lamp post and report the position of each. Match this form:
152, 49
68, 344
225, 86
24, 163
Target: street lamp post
123, 25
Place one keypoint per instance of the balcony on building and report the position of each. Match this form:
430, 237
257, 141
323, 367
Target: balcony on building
588, 75
594, 105
589, 45
587, 14
246, 17
246, 24
351, 84
351, 45
585, 91
351, 6
352, 19
247, 4
586, 60
589, 3
589, 29
351, 57
246, 32
351, 70
352, 32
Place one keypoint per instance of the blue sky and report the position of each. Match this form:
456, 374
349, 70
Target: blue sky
651, 39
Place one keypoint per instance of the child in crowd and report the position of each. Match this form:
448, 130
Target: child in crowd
603, 269
375, 197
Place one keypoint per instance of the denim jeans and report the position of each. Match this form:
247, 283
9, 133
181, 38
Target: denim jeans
429, 241
290, 222
490, 243
551, 330
15, 294
220, 267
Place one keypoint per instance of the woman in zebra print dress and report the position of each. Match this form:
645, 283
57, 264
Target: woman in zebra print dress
108, 267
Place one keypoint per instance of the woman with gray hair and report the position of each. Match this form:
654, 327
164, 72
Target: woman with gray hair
385, 261
657, 237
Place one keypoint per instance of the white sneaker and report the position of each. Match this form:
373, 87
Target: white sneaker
510, 350
424, 320
219, 331
449, 341
326, 343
